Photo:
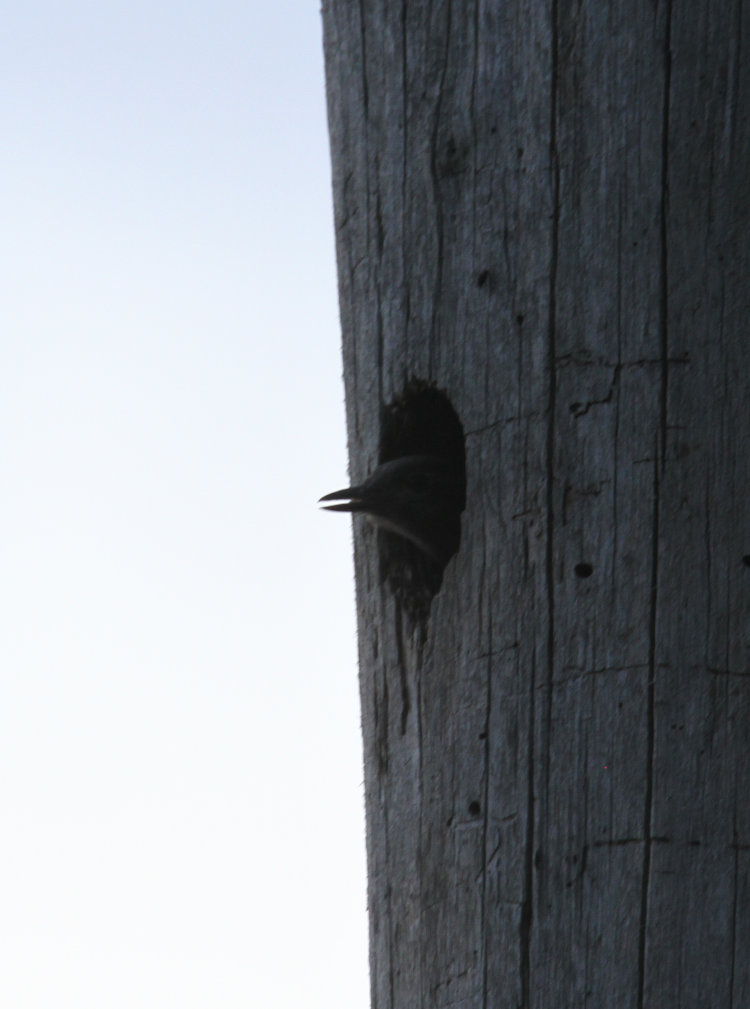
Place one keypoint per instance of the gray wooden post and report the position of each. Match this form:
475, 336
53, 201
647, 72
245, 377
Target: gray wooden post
543, 209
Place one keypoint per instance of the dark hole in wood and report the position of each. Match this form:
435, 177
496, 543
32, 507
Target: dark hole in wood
746, 560
423, 422
474, 809
583, 570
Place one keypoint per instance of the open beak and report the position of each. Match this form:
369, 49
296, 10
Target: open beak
349, 497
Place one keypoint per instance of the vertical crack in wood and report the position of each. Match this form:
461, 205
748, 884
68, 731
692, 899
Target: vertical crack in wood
365, 92
659, 459
486, 804
552, 387
435, 172
735, 891
648, 797
528, 883
529, 858
663, 225
709, 574
617, 388
403, 669
423, 832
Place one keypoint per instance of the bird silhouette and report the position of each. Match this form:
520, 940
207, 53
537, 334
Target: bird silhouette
418, 497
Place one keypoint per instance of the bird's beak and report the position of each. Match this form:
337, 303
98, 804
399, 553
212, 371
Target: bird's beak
349, 497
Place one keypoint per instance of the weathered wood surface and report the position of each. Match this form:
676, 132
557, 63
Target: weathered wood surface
544, 208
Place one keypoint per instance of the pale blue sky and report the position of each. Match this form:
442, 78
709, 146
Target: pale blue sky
180, 758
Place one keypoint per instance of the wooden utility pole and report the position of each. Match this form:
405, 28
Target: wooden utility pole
542, 212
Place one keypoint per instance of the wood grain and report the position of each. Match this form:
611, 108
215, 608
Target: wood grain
544, 209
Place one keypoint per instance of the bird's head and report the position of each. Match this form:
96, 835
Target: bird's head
417, 497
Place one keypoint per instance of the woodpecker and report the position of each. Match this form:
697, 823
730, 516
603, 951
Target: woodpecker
418, 497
